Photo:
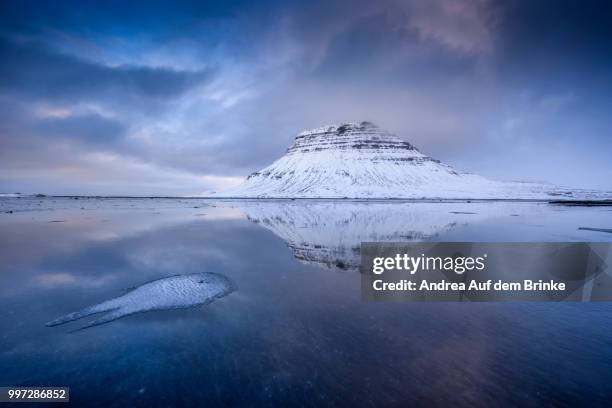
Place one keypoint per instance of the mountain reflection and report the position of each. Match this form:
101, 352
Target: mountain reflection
329, 233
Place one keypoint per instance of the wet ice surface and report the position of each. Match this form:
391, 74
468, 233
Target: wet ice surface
296, 331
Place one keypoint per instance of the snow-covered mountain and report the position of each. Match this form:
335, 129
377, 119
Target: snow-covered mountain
364, 161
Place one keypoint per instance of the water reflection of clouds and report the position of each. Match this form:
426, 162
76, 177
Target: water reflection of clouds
54, 280
136, 249
29, 236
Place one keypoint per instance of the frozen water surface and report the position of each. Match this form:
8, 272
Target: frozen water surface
296, 331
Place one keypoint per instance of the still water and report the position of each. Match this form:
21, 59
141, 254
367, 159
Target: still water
295, 331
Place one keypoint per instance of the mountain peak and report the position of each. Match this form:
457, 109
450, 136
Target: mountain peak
347, 136
340, 128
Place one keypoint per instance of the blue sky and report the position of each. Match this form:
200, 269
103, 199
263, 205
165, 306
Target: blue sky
163, 98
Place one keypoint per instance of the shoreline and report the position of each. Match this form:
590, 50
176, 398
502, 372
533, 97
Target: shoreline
568, 202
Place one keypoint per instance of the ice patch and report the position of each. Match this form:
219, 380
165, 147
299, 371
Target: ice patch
175, 292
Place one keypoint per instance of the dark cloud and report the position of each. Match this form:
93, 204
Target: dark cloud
564, 35
33, 70
112, 16
383, 48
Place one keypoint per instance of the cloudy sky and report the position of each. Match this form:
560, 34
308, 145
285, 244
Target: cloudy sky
154, 97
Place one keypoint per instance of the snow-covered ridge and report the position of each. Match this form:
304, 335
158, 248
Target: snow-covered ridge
349, 136
361, 160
